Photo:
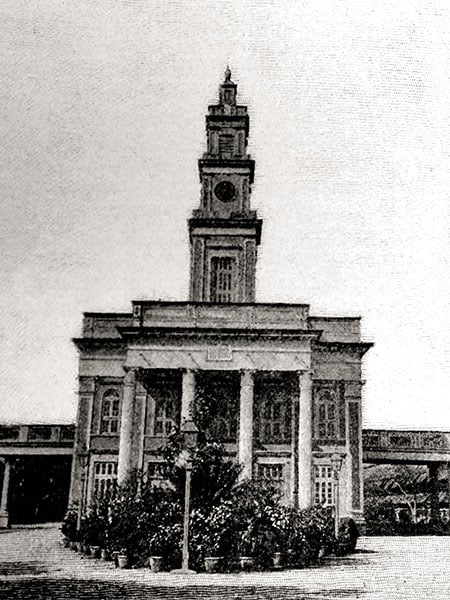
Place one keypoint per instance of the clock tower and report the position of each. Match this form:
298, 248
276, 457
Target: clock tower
224, 233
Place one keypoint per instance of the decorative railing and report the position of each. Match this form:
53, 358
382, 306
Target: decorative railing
153, 314
26, 434
419, 441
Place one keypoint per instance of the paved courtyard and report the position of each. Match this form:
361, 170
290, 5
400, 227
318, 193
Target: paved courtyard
34, 565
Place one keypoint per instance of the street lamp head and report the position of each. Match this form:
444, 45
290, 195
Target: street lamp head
336, 462
190, 434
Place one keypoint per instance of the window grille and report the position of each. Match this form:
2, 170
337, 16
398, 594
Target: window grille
274, 414
105, 477
271, 474
323, 485
223, 279
158, 471
326, 416
166, 412
226, 144
109, 420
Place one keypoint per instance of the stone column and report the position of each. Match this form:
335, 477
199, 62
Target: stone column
433, 474
4, 516
448, 488
295, 410
305, 441
126, 426
245, 445
187, 394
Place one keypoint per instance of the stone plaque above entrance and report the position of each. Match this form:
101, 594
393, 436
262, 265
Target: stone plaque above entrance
219, 354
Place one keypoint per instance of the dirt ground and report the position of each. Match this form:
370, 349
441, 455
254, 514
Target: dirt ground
33, 564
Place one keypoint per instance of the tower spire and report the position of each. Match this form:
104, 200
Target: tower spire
224, 231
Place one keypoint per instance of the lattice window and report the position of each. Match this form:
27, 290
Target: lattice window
223, 279
274, 413
217, 405
166, 412
271, 474
226, 144
158, 473
105, 477
109, 419
323, 485
326, 415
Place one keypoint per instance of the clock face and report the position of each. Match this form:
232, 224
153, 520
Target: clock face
225, 191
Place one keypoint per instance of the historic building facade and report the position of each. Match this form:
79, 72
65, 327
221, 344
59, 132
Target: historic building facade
282, 388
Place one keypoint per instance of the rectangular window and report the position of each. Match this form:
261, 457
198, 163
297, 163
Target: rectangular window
105, 477
158, 473
166, 416
326, 415
271, 474
223, 279
109, 417
273, 410
323, 485
226, 144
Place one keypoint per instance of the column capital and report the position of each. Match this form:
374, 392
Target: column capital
130, 376
248, 372
305, 376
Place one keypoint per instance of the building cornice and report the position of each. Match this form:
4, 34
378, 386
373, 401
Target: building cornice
359, 347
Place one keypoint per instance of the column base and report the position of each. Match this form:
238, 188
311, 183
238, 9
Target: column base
4, 520
360, 522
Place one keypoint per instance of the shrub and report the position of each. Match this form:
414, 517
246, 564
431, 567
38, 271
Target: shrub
69, 524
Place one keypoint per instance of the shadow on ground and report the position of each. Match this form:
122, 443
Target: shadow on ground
61, 589
8, 569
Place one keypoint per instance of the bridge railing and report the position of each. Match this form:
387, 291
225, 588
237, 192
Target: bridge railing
383, 439
26, 434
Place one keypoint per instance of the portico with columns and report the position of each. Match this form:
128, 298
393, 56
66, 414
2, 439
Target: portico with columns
278, 387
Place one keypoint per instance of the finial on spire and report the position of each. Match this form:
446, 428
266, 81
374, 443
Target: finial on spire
227, 74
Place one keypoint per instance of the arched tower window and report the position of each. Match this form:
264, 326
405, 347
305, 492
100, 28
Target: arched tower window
109, 420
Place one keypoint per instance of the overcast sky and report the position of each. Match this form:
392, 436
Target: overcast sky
102, 122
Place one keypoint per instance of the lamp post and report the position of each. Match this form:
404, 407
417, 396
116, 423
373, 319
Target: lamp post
336, 463
83, 457
190, 435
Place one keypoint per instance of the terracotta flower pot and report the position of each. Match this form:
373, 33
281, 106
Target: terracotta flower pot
277, 557
246, 562
212, 563
105, 554
122, 560
155, 563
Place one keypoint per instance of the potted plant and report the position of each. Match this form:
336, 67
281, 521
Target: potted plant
105, 554
69, 528
122, 559
156, 547
213, 551
246, 549
277, 557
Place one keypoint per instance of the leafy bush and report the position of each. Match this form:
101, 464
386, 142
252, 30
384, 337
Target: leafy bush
227, 519
69, 524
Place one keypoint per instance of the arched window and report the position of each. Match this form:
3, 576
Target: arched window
109, 419
326, 415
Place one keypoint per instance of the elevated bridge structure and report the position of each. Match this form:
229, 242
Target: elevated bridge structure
413, 447
405, 446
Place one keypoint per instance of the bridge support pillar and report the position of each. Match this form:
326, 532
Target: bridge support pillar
4, 515
448, 487
433, 474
